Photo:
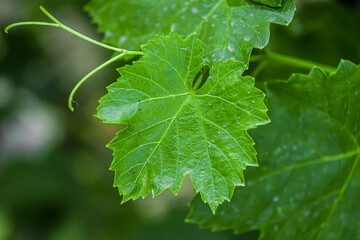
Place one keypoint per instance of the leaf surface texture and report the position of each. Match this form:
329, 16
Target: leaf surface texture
173, 130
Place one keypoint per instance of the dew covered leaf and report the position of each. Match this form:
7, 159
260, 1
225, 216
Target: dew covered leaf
229, 29
307, 185
173, 130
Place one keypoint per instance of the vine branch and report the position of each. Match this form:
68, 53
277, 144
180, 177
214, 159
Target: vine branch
292, 61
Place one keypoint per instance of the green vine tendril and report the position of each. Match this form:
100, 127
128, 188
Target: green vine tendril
58, 24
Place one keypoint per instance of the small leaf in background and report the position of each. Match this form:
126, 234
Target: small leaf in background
308, 184
177, 127
229, 29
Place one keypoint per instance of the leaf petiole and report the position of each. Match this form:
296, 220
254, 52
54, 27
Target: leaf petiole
292, 61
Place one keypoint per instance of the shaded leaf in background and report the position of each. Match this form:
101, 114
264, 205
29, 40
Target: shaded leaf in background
175, 129
308, 38
308, 184
229, 29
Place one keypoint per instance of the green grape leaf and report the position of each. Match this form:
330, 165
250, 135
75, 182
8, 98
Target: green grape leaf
229, 29
307, 185
173, 130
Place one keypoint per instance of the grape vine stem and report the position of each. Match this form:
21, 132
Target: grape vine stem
291, 61
58, 24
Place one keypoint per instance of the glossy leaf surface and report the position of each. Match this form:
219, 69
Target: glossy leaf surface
308, 184
174, 130
229, 29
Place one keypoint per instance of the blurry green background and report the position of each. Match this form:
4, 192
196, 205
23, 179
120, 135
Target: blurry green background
54, 177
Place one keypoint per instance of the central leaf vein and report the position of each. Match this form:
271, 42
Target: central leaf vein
160, 141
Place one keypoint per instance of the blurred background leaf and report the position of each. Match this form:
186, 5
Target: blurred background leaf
323, 31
